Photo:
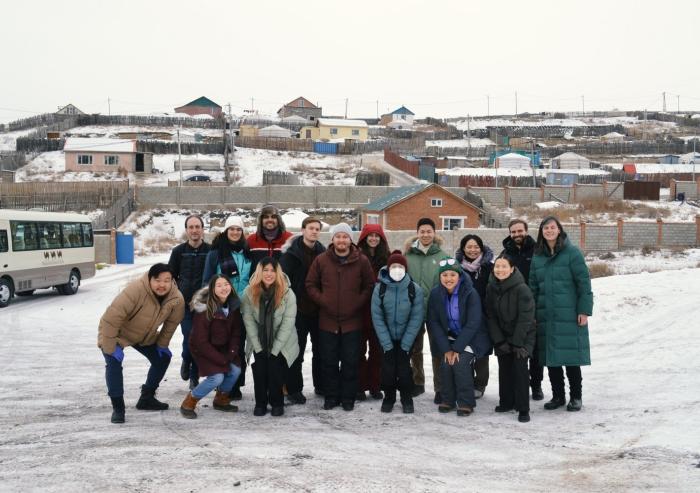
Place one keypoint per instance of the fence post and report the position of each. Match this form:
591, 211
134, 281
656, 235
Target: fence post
542, 193
506, 196
620, 233
660, 232
113, 246
582, 240
697, 230
672, 190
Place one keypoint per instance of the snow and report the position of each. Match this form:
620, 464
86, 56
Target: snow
637, 430
114, 130
339, 122
648, 168
99, 145
548, 205
517, 172
459, 143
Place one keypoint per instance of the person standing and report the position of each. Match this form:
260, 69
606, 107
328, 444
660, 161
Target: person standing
269, 237
423, 253
520, 246
133, 319
187, 262
458, 336
230, 257
561, 285
215, 343
510, 311
397, 312
375, 247
340, 282
476, 259
297, 256
269, 311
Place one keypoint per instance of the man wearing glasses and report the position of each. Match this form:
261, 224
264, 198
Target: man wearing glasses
269, 238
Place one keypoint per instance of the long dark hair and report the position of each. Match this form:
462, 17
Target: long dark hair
381, 253
213, 302
541, 245
225, 247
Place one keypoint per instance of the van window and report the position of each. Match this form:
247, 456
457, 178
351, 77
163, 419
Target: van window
49, 235
87, 235
72, 236
3, 241
24, 236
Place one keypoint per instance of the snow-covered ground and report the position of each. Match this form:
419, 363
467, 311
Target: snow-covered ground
112, 131
8, 140
638, 261
460, 143
516, 171
637, 430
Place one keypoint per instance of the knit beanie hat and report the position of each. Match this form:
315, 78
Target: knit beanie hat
341, 228
269, 209
235, 222
449, 264
397, 258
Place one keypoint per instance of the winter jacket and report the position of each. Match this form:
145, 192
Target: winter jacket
215, 343
188, 266
261, 248
284, 334
480, 278
243, 263
341, 290
399, 320
474, 333
374, 261
292, 263
423, 268
135, 315
510, 312
521, 256
561, 286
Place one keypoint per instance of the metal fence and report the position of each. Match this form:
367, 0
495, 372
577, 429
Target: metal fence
117, 213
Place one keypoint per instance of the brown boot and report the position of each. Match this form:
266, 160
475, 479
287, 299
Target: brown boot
188, 405
222, 402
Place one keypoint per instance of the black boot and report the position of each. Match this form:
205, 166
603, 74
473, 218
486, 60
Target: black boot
574, 404
407, 405
555, 403
537, 394
148, 401
118, 410
185, 370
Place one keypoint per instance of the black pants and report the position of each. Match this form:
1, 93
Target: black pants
573, 374
268, 377
396, 374
241, 353
513, 382
480, 367
536, 369
306, 325
340, 357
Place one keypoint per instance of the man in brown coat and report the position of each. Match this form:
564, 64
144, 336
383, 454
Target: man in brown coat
133, 319
340, 282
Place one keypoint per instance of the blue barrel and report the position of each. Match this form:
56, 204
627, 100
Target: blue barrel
125, 248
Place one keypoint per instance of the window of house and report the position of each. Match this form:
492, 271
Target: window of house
112, 160
372, 218
403, 117
450, 223
355, 132
334, 131
84, 159
435, 202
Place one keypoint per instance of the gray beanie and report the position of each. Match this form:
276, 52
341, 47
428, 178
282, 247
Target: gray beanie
341, 228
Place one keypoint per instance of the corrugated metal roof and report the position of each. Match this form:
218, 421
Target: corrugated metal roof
202, 101
99, 145
402, 111
394, 196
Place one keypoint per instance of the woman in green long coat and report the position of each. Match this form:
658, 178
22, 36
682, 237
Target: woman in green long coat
561, 285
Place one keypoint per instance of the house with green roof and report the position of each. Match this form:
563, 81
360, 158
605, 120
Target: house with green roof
201, 106
401, 208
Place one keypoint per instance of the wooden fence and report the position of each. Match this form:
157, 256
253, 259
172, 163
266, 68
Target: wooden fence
61, 196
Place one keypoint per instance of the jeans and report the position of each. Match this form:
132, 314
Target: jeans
340, 355
186, 327
223, 381
305, 324
115, 377
457, 381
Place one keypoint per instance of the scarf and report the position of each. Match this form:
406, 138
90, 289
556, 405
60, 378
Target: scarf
452, 307
271, 235
472, 266
266, 315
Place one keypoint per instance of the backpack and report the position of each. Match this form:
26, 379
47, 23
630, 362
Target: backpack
382, 293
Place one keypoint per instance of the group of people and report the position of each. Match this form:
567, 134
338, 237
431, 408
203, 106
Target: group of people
256, 300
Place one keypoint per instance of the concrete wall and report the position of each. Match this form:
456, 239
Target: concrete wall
615, 190
562, 193
601, 237
589, 192
678, 234
103, 249
522, 196
689, 188
638, 235
495, 196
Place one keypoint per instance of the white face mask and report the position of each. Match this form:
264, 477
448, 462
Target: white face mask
397, 273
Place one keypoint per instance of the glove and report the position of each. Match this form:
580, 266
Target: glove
520, 352
164, 351
118, 353
503, 348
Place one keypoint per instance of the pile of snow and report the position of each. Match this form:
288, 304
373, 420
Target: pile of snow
638, 261
548, 205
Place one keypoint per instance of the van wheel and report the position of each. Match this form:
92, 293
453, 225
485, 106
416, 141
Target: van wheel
71, 287
6, 292
28, 292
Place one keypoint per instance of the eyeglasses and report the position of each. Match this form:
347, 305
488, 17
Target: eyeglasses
447, 261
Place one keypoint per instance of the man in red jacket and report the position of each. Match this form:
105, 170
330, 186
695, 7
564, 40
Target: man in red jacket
269, 238
340, 282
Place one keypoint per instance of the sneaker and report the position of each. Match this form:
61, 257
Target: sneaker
348, 406
574, 405
418, 390
387, 406
524, 416
438, 398
537, 394
296, 398
479, 393
464, 410
555, 403
503, 409
329, 404
407, 407
260, 411
277, 411
376, 395
361, 396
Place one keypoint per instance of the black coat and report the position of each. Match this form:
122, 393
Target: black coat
521, 256
510, 312
292, 263
479, 278
188, 265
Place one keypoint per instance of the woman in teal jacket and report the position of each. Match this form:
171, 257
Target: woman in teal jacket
561, 285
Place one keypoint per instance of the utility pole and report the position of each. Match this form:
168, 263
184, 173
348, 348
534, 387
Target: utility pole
469, 136
252, 104
583, 105
179, 154
109, 107
516, 103
532, 163
664, 96
346, 108
644, 126
488, 105
227, 119
377, 109
678, 102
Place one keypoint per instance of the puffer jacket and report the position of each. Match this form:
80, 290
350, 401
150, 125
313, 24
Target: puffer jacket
215, 343
292, 263
510, 311
423, 267
284, 334
136, 314
399, 320
480, 278
240, 281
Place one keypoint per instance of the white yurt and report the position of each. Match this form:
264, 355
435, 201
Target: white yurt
513, 160
274, 131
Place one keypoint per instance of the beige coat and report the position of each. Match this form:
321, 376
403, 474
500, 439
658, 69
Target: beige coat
135, 316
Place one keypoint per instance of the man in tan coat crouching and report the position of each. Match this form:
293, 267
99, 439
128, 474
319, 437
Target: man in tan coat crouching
133, 320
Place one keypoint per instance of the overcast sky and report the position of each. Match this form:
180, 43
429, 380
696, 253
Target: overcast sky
439, 58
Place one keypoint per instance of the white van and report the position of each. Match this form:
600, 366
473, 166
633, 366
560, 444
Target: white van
43, 250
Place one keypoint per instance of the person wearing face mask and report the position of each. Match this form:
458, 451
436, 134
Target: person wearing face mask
476, 259
230, 257
510, 310
397, 313
375, 247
